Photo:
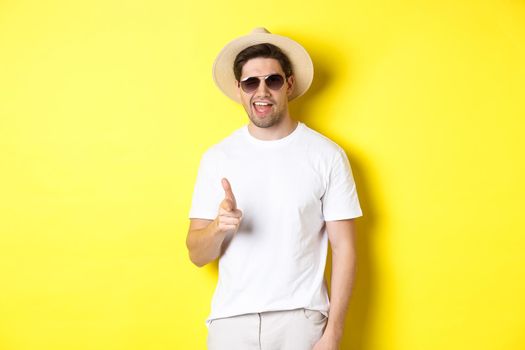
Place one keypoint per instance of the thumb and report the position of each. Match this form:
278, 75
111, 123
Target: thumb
227, 205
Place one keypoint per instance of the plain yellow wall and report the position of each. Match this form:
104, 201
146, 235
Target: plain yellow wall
106, 107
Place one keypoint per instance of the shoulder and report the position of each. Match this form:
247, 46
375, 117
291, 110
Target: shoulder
223, 147
321, 144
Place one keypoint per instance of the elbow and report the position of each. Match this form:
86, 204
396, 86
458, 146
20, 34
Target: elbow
192, 256
197, 263
198, 254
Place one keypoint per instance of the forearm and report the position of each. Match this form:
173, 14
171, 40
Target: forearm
204, 244
342, 279
205, 237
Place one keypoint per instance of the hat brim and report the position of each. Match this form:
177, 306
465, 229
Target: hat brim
302, 66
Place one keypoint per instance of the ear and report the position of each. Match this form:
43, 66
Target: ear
238, 90
291, 85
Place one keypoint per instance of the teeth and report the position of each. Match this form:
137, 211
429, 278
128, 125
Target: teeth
261, 104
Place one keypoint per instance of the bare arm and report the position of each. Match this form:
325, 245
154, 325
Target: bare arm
205, 237
342, 241
204, 241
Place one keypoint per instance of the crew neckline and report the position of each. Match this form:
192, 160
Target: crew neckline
273, 143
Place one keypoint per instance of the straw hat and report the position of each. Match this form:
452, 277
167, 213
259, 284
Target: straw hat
302, 66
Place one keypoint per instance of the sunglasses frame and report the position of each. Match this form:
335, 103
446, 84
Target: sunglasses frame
263, 78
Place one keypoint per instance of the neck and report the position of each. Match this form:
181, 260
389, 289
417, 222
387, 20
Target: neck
275, 132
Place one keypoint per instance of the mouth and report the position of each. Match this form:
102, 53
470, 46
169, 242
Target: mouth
262, 107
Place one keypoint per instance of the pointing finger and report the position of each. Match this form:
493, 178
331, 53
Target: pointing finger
228, 193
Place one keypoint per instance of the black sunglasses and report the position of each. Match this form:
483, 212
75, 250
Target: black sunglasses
272, 81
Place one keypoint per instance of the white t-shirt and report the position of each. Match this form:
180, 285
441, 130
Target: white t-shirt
286, 189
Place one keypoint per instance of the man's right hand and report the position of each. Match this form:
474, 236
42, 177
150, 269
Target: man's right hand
229, 217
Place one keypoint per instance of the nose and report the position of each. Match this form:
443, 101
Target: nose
262, 89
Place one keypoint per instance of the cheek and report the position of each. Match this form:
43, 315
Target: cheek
246, 104
282, 99
245, 100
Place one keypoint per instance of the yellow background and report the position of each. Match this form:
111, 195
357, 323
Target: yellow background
106, 107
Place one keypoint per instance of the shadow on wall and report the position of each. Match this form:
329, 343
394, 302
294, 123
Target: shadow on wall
329, 63
365, 286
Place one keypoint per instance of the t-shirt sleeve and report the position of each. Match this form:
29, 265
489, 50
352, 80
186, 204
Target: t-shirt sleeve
207, 191
340, 199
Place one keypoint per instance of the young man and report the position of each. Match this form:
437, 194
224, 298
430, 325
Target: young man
266, 202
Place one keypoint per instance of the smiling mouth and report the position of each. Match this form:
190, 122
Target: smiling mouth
262, 107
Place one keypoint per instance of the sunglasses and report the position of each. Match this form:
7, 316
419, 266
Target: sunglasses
272, 81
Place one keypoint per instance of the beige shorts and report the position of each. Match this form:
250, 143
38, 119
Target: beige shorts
297, 329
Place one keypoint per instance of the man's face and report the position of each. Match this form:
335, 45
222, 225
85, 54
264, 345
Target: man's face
265, 107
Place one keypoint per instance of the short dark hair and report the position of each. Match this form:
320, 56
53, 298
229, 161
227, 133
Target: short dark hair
265, 50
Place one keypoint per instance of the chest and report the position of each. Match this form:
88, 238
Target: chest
289, 181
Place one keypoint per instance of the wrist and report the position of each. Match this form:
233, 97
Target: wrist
215, 229
333, 333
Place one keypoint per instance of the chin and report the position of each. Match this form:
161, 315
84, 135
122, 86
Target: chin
265, 123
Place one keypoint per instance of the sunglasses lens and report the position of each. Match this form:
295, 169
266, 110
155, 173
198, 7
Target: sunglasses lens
250, 84
274, 82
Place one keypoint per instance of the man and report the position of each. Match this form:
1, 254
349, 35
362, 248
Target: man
266, 202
